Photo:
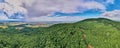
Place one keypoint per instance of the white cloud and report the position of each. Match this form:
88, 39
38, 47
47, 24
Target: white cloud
3, 17
38, 8
115, 15
12, 6
94, 5
46, 7
110, 1
15, 2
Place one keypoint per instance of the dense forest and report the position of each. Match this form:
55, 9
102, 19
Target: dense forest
89, 33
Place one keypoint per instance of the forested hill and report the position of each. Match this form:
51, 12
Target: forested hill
89, 33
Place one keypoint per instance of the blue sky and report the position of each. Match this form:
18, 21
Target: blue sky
58, 10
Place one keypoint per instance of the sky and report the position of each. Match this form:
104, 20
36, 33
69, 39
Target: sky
58, 10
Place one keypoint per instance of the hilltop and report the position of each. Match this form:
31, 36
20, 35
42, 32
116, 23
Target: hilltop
89, 33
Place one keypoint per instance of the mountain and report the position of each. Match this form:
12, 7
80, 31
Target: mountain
89, 33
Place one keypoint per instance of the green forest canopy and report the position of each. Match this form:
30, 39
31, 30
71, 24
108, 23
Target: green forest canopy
89, 33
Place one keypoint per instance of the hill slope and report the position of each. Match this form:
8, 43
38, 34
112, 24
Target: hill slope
89, 33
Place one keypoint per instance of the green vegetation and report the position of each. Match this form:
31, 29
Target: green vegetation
89, 33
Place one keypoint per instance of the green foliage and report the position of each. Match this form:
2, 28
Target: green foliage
97, 33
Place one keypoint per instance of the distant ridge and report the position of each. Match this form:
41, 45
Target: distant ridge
97, 19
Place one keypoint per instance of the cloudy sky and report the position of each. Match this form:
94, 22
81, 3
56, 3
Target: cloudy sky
58, 10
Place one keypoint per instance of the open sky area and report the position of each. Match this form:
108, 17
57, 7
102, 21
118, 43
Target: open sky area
58, 10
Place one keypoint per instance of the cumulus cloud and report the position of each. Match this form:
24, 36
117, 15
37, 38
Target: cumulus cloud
10, 10
3, 17
110, 1
11, 7
47, 7
37, 8
93, 5
115, 15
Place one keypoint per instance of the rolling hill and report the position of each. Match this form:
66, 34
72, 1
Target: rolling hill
89, 33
